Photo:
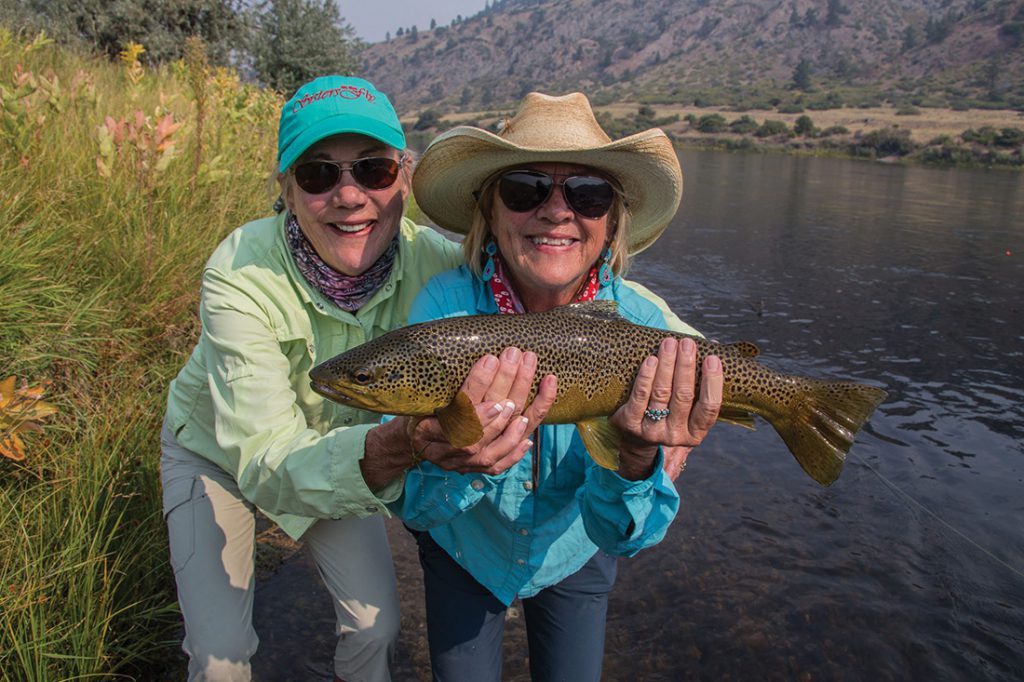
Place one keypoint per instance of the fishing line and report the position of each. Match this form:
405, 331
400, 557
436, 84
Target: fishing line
938, 518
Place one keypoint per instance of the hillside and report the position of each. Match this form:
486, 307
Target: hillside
741, 53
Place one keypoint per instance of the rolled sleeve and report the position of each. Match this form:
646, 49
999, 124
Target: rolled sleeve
623, 517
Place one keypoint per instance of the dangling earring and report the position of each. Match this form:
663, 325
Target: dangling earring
605, 274
490, 248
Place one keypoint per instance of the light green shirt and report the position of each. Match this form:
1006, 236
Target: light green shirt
243, 399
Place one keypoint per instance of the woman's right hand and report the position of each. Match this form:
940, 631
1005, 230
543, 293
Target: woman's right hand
499, 388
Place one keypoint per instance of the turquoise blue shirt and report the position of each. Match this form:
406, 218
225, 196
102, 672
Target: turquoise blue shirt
514, 537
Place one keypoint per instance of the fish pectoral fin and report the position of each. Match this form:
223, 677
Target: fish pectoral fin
459, 422
737, 417
602, 440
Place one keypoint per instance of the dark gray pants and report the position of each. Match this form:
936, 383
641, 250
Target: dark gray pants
565, 623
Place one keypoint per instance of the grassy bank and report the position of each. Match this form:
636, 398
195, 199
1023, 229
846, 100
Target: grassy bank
108, 208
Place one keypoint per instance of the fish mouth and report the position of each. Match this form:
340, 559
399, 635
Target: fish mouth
329, 392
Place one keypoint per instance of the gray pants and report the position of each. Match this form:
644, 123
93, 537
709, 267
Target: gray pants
212, 541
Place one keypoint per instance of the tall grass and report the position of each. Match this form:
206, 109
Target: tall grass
102, 240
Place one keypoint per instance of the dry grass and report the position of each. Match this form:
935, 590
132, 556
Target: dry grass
925, 126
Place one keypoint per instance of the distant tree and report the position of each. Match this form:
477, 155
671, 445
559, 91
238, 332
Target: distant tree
835, 12
771, 128
387, 37
802, 75
711, 123
803, 126
938, 29
297, 40
433, 24
414, 35
428, 119
161, 27
911, 38
811, 18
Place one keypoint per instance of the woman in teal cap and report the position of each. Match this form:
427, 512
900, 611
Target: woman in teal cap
243, 431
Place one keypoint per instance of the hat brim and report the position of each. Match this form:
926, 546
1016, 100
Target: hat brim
458, 162
342, 122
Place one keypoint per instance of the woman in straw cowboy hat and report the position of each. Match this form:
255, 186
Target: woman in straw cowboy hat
551, 209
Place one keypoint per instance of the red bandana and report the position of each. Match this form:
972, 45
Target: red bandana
508, 302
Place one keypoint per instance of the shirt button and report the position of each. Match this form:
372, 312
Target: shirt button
520, 561
523, 531
528, 485
348, 420
477, 484
372, 509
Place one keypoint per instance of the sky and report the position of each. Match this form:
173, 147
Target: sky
374, 18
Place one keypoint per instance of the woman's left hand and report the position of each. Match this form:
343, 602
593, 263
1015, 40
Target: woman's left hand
661, 410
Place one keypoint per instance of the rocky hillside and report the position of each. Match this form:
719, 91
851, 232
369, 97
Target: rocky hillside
736, 52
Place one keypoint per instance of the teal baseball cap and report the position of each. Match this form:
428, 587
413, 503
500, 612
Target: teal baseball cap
331, 105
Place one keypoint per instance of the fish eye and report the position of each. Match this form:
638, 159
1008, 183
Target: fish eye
362, 377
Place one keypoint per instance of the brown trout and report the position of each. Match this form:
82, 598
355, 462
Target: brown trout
595, 353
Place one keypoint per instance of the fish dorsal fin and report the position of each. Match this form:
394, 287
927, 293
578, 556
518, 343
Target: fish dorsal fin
598, 310
459, 422
601, 439
745, 348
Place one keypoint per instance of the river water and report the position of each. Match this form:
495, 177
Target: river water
910, 566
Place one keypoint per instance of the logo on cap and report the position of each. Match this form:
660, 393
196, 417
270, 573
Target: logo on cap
342, 91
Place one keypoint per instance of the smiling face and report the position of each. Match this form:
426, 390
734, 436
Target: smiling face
548, 252
349, 225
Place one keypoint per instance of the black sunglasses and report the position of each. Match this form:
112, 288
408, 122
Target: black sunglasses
525, 190
319, 176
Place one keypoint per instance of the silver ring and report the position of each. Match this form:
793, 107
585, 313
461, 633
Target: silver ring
655, 415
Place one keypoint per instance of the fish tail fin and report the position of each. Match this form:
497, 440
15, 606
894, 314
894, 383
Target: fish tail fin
820, 428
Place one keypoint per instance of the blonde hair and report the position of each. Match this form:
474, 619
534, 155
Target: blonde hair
480, 230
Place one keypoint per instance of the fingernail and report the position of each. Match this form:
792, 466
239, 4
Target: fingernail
688, 345
523, 421
490, 362
511, 354
651, 361
530, 359
509, 406
714, 364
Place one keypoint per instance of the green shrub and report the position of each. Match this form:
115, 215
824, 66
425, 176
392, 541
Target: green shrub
771, 128
908, 110
1010, 137
804, 126
985, 136
743, 125
791, 109
711, 123
834, 130
885, 142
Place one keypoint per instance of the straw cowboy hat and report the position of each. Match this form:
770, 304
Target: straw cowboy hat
561, 129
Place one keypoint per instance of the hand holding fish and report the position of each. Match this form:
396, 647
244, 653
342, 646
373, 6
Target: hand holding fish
498, 388
661, 409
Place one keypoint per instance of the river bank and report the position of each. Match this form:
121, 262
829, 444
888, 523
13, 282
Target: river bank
907, 134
